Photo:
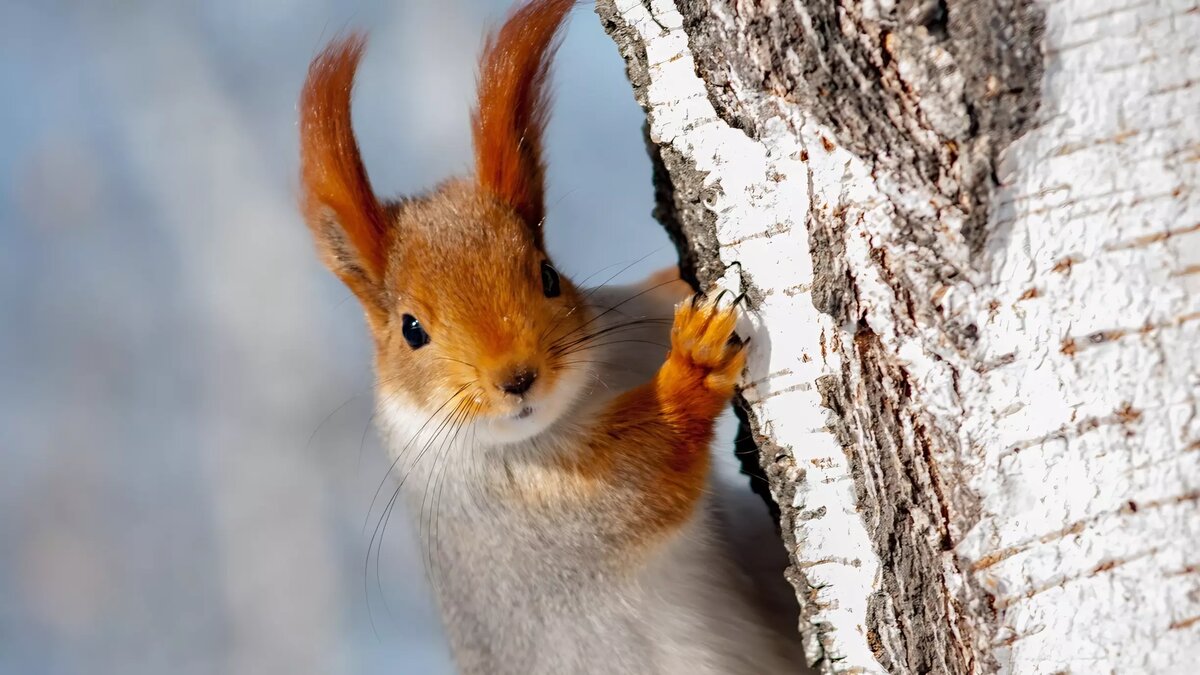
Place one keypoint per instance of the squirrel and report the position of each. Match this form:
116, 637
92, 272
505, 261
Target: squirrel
554, 445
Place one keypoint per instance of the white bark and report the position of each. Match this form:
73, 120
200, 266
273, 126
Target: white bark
977, 402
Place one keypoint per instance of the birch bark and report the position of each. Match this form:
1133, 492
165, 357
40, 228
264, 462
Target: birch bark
970, 233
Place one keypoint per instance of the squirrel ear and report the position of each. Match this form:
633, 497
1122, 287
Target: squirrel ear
513, 106
347, 221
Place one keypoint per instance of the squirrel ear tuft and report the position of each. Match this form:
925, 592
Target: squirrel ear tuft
347, 221
513, 106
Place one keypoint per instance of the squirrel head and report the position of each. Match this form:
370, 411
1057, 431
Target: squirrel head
468, 315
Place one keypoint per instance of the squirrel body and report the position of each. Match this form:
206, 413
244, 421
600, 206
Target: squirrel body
542, 566
553, 442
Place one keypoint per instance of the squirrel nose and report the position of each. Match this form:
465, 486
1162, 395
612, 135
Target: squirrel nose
520, 381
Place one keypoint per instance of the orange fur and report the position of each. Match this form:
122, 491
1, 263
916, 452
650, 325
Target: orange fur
664, 427
469, 269
656, 436
333, 179
514, 105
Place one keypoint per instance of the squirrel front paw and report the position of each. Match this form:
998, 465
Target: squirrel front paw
703, 344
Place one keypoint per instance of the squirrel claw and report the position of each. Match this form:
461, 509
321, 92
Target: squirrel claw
703, 340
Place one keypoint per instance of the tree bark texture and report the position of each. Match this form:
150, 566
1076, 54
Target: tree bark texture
969, 231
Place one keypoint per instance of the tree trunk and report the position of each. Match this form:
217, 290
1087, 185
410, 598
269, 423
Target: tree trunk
969, 231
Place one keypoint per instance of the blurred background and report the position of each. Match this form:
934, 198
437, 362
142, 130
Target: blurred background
186, 461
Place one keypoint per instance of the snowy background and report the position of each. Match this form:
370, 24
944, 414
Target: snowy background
171, 500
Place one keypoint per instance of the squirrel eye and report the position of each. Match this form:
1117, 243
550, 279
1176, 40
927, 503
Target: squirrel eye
413, 332
550, 281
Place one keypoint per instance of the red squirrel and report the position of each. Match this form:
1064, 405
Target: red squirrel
556, 452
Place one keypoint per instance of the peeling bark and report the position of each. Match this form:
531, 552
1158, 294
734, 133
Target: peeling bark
969, 232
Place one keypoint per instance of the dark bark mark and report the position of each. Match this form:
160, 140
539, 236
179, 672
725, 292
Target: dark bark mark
832, 282
969, 86
678, 186
918, 623
680, 209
